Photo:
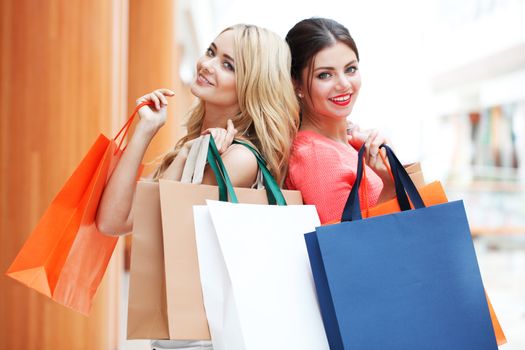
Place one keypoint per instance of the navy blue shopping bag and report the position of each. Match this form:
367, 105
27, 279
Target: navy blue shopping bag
408, 280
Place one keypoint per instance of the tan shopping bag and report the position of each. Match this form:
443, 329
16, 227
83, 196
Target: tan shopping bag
147, 310
415, 173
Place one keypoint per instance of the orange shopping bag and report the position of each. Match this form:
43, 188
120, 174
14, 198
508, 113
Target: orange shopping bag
65, 257
432, 194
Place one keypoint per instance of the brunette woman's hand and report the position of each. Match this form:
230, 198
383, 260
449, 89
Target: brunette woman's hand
223, 137
381, 167
356, 136
372, 157
372, 139
152, 118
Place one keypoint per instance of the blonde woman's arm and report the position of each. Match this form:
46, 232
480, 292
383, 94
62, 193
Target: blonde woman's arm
114, 216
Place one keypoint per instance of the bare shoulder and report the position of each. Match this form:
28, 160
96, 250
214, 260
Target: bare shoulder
241, 165
239, 156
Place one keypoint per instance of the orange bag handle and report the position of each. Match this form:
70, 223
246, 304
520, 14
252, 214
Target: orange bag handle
128, 123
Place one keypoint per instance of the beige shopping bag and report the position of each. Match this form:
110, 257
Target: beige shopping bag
147, 310
415, 173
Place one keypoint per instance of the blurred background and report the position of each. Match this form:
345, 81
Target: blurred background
444, 79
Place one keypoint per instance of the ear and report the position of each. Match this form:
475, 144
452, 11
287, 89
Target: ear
297, 88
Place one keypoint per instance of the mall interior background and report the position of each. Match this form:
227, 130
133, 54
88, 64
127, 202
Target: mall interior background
444, 79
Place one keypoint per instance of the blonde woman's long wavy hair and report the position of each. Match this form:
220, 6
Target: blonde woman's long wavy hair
269, 111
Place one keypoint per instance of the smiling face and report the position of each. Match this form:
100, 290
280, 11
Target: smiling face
215, 82
330, 89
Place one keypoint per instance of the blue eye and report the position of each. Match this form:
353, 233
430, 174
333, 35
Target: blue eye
228, 66
324, 75
351, 69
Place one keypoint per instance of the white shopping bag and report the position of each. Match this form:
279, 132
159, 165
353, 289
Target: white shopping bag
257, 284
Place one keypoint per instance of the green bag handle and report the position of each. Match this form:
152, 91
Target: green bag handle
273, 192
218, 168
223, 190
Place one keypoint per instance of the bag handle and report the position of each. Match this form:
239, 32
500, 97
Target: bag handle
218, 168
124, 130
273, 192
402, 183
406, 181
193, 170
205, 150
365, 183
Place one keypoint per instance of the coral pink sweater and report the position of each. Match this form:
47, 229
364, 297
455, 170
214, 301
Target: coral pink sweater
324, 171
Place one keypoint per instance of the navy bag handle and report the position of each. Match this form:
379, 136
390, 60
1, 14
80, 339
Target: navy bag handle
402, 182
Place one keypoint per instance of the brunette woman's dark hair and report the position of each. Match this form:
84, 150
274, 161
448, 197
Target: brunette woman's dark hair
310, 36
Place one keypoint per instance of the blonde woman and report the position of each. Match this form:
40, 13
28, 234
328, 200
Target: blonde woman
244, 90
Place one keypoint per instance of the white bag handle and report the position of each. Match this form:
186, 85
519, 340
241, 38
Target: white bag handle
196, 162
259, 182
200, 161
189, 166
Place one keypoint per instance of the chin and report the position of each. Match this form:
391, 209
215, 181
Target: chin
346, 112
341, 113
195, 91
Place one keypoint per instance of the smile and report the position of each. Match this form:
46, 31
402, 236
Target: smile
341, 100
201, 80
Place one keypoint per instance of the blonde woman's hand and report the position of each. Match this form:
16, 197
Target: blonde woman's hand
152, 118
223, 137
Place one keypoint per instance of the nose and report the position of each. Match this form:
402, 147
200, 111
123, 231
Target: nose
209, 64
342, 82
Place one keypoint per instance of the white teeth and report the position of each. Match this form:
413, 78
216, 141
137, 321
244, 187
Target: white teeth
341, 99
206, 80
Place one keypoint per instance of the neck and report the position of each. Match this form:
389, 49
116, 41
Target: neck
334, 129
216, 116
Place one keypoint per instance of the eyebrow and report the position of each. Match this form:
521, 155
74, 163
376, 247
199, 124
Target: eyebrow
332, 68
214, 47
